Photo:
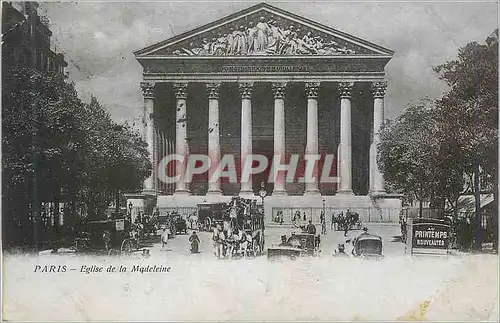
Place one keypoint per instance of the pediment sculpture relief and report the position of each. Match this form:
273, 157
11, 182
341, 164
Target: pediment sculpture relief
263, 37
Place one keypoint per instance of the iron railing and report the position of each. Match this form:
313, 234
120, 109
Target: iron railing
366, 214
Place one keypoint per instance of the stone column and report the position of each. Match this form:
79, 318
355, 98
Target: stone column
148, 91
376, 177
279, 133
214, 188
246, 132
345, 139
181, 144
312, 132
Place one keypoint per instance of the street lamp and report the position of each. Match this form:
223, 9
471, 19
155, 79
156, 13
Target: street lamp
262, 193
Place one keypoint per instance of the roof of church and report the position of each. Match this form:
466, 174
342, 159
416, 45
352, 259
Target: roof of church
218, 37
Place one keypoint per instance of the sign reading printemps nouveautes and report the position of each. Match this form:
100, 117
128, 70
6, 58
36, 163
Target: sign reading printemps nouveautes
430, 234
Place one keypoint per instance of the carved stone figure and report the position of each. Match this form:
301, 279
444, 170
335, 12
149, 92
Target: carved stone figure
263, 38
251, 37
230, 42
240, 40
263, 30
275, 39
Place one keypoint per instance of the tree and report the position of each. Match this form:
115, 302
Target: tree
84, 156
468, 115
406, 152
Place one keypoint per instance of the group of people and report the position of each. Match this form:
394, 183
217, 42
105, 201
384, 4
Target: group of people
241, 211
345, 221
264, 37
228, 243
279, 217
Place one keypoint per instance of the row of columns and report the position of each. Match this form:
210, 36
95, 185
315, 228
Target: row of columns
344, 155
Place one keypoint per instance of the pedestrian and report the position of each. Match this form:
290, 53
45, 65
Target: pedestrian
333, 221
304, 218
311, 228
164, 238
195, 242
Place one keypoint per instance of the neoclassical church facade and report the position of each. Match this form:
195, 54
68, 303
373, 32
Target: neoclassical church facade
266, 81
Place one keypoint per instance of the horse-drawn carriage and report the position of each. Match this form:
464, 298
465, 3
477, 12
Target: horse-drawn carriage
349, 221
115, 236
238, 227
174, 222
297, 245
210, 215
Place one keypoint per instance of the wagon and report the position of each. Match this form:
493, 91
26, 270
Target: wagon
298, 245
115, 236
211, 214
179, 224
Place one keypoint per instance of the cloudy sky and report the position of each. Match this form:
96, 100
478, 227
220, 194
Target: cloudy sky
99, 38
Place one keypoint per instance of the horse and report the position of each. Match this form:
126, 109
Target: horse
352, 218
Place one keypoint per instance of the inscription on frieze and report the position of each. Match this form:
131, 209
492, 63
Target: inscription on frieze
263, 69
264, 66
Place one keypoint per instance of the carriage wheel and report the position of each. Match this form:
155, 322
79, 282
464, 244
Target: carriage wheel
126, 247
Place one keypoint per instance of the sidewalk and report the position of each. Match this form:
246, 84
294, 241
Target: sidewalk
472, 295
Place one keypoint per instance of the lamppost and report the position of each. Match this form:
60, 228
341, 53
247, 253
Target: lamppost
263, 194
324, 209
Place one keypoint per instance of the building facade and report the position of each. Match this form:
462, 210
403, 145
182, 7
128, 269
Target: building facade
266, 81
26, 39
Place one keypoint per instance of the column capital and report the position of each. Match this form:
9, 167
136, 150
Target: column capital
213, 90
180, 90
345, 89
245, 89
148, 90
279, 90
312, 89
378, 89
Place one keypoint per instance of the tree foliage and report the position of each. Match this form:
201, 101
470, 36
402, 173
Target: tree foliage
407, 152
433, 147
83, 155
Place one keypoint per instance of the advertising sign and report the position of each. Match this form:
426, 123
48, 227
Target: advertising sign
120, 225
429, 234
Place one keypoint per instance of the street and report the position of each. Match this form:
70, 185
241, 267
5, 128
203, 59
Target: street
201, 287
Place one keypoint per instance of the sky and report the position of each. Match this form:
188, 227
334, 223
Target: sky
99, 38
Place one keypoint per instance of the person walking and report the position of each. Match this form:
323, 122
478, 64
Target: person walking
164, 238
333, 221
195, 242
323, 222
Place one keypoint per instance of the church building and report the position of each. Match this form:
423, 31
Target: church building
266, 81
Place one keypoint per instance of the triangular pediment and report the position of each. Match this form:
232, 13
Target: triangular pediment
263, 30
